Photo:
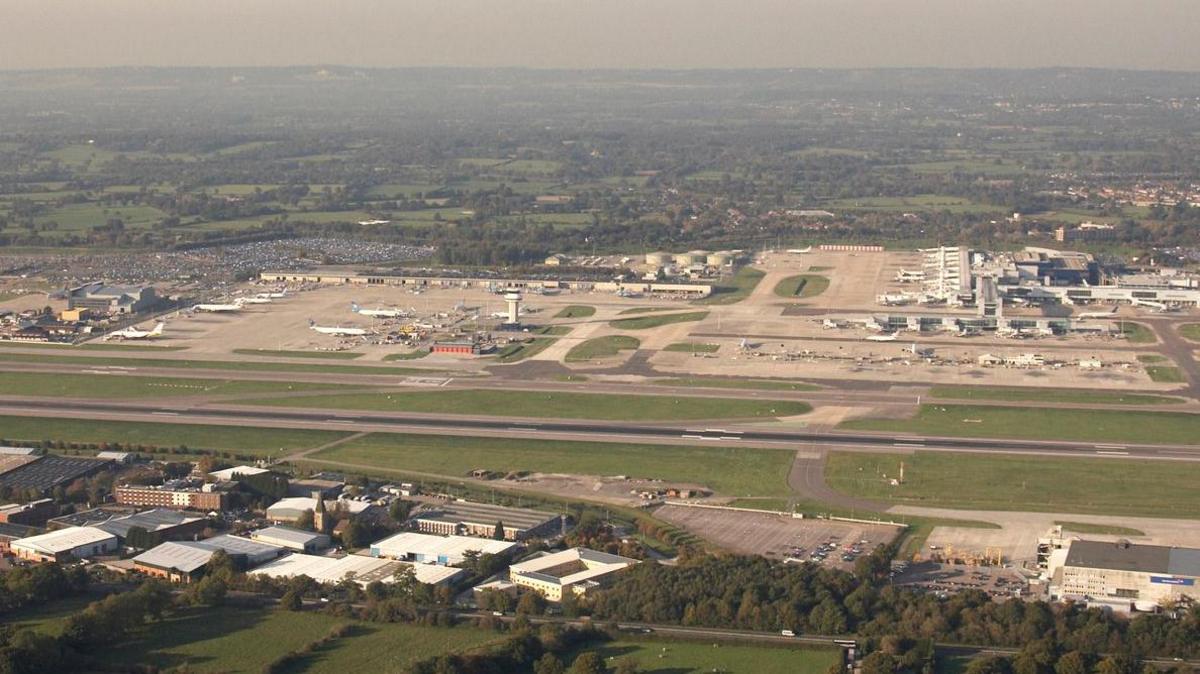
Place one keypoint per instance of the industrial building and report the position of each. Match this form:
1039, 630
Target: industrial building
445, 550
480, 519
577, 570
166, 524
14, 532
46, 472
296, 540
65, 545
293, 508
364, 570
1119, 574
188, 498
101, 298
228, 474
181, 562
34, 513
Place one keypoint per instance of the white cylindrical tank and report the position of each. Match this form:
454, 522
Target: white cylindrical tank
718, 259
685, 259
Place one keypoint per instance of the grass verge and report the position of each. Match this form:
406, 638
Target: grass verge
517, 351
801, 286
292, 353
540, 404
657, 320
719, 382
1099, 529
182, 364
1038, 423
998, 482
1165, 374
602, 347
692, 347
1049, 395
737, 289
576, 311
46, 384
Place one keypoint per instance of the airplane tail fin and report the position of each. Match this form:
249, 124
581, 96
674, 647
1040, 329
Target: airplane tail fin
158, 329
354, 307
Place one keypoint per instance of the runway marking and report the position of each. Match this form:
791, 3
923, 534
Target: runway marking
166, 414
1111, 453
1111, 447
691, 436
909, 444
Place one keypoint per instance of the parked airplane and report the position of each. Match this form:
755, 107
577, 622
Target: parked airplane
337, 331
379, 313
273, 296
894, 300
1098, 314
134, 333
800, 251
881, 338
254, 300
219, 308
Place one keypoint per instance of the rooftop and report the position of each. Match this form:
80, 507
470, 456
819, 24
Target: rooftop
411, 543
361, 568
150, 520
64, 540
296, 536
184, 556
576, 565
1136, 558
482, 513
302, 503
228, 473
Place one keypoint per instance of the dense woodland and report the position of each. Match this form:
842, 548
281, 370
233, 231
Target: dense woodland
630, 161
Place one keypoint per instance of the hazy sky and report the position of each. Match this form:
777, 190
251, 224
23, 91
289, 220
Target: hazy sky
1142, 34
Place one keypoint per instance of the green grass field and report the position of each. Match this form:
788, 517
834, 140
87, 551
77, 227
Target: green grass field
242, 439
553, 330
539, 404
519, 351
387, 648
122, 386
285, 353
657, 320
183, 364
576, 311
602, 347
1190, 332
1151, 358
1136, 333
91, 346
802, 286
692, 347
734, 471
1049, 395
686, 657
922, 203
997, 482
407, 355
644, 310
1165, 374
1034, 423
736, 289
759, 384
1099, 529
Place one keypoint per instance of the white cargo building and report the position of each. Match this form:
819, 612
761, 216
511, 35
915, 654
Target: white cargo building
428, 549
65, 544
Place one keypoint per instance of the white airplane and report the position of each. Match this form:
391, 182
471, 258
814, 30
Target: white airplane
800, 251
337, 331
273, 296
219, 308
254, 300
133, 333
881, 338
1157, 306
378, 313
1097, 314
893, 300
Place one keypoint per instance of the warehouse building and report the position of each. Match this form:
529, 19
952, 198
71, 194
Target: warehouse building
445, 550
14, 532
296, 540
479, 519
65, 545
166, 525
1122, 574
44, 473
291, 509
228, 474
34, 513
364, 570
576, 570
178, 562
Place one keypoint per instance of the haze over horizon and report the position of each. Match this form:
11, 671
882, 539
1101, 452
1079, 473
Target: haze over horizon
676, 34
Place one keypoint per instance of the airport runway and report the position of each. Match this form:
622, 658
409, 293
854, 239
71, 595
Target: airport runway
729, 434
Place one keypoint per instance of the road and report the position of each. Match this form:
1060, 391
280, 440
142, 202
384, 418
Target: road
606, 431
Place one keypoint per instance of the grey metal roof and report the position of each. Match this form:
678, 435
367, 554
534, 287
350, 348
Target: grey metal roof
1120, 556
1184, 562
150, 520
486, 514
297, 536
182, 556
